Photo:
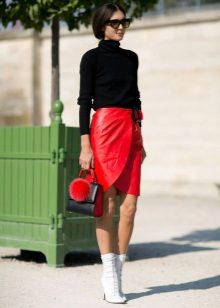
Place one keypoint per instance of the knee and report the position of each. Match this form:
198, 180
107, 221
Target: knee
128, 211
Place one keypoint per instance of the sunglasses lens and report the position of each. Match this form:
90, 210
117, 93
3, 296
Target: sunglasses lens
116, 23
125, 23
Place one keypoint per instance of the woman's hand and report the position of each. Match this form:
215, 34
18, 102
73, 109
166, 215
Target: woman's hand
144, 154
86, 159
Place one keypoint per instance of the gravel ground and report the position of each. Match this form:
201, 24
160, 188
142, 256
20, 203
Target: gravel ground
174, 262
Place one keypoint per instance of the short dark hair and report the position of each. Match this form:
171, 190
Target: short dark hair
101, 15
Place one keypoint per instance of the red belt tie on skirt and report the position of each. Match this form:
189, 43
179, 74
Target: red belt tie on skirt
116, 143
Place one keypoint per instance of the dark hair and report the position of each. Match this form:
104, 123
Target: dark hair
101, 15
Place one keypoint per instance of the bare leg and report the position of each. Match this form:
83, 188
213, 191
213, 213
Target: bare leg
104, 224
105, 239
126, 222
123, 233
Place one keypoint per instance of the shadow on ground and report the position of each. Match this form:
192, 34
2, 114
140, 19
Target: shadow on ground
200, 236
82, 258
202, 284
141, 251
161, 249
28, 256
137, 251
71, 259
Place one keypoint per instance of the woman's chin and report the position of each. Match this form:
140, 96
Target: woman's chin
119, 37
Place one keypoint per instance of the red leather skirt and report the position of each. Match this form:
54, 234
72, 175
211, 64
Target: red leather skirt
116, 143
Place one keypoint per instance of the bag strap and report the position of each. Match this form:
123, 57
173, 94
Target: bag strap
90, 172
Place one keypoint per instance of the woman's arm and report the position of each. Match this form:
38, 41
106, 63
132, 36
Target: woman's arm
86, 155
87, 70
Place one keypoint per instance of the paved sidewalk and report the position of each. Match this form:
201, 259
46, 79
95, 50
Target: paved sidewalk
174, 263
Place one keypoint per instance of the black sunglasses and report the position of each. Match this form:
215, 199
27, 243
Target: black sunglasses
115, 23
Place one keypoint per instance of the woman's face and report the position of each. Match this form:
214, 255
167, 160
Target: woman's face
115, 34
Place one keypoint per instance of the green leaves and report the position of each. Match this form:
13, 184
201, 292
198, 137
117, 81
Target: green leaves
34, 13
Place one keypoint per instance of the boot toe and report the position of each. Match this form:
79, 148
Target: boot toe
114, 299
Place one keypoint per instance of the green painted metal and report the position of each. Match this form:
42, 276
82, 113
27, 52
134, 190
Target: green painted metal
36, 166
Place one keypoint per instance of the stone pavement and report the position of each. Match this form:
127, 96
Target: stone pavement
174, 263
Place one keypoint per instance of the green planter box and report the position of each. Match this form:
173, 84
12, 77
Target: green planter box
36, 166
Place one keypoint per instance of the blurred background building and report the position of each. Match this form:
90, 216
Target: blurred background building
178, 44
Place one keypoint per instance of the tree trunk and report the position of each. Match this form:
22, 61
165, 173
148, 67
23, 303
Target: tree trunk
55, 91
36, 80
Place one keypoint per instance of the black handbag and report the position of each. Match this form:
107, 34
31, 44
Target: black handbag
92, 203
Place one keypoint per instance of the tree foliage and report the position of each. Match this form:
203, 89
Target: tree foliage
35, 13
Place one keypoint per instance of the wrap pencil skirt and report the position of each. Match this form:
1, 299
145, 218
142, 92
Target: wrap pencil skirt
116, 143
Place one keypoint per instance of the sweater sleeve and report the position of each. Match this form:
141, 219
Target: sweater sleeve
86, 92
137, 92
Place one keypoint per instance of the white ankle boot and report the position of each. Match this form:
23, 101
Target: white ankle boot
120, 259
110, 279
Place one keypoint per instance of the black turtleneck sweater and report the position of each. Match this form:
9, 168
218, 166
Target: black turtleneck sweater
108, 78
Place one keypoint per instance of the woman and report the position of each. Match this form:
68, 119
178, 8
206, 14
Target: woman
112, 144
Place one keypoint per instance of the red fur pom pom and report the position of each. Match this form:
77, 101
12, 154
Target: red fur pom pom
79, 189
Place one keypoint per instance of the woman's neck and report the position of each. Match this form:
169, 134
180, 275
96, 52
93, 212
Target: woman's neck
109, 45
